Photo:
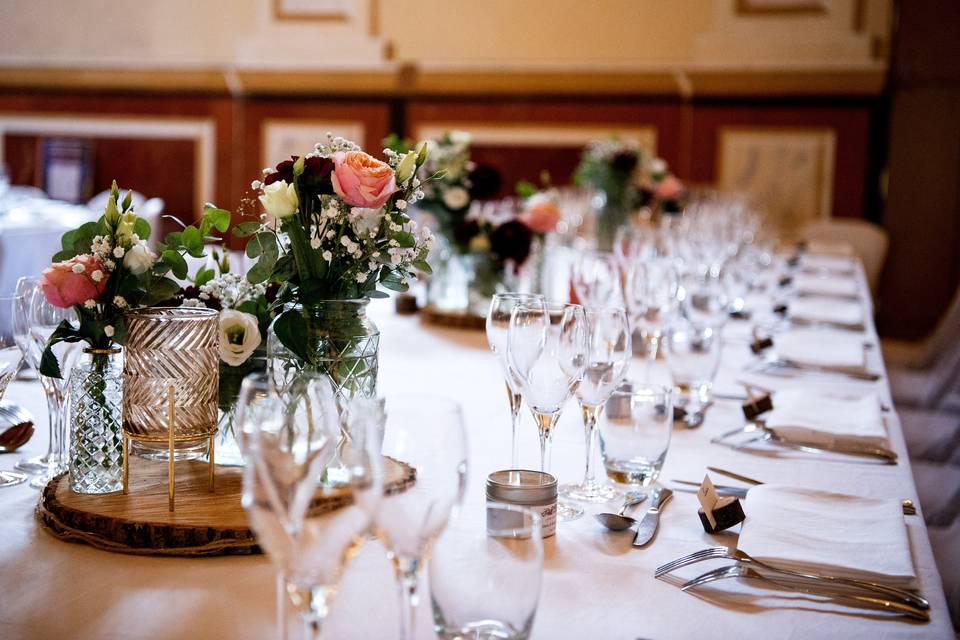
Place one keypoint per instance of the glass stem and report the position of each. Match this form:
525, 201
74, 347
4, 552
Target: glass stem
409, 599
55, 419
653, 345
545, 423
516, 401
591, 414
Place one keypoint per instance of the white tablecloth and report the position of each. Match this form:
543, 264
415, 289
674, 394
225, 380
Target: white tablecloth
595, 586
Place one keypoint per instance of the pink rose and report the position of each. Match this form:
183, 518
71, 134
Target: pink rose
73, 282
362, 180
668, 188
541, 214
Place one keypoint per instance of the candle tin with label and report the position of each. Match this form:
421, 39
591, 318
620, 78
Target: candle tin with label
532, 489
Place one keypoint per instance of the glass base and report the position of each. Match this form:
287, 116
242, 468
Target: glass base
591, 492
11, 478
567, 512
482, 630
51, 462
41, 481
159, 451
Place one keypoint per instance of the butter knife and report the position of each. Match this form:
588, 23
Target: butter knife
648, 526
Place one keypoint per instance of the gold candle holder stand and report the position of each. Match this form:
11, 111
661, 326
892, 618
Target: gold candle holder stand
171, 440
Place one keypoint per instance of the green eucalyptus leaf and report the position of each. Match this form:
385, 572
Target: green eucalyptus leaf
291, 329
176, 262
204, 275
159, 290
423, 266
142, 228
193, 240
245, 229
219, 218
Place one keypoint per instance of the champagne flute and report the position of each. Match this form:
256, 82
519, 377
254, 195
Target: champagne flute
651, 293
426, 433
290, 439
607, 362
596, 279
11, 358
548, 347
498, 324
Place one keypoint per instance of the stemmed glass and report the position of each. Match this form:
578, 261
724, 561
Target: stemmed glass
11, 357
498, 324
548, 345
426, 433
606, 366
289, 440
33, 322
651, 295
596, 279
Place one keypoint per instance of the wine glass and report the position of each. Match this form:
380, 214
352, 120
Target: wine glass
11, 358
427, 434
498, 324
548, 346
289, 441
607, 362
705, 298
692, 353
651, 295
596, 279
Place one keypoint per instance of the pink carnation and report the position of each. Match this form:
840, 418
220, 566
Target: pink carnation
362, 180
668, 188
71, 282
541, 215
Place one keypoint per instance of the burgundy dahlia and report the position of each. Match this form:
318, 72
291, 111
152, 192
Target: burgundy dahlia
511, 241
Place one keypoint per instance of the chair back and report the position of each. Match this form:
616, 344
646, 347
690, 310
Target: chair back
868, 240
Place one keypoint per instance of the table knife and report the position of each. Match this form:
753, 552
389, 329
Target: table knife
648, 526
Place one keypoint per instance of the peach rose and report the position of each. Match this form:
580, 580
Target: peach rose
73, 282
668, 188
362, 180
541, 214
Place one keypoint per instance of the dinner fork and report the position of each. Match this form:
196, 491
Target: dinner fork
714, 553
741, 571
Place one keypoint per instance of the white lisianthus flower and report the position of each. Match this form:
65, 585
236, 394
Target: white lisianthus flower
109, 331
280, 199
239, 336
139, 259
406, 167
365, 222
456, 198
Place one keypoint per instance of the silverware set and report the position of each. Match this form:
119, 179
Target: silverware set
862, 593
789, 369
764, 434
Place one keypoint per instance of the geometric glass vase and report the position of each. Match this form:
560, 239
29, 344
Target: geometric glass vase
96, 444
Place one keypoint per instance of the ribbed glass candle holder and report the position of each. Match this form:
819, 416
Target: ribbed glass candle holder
170, 347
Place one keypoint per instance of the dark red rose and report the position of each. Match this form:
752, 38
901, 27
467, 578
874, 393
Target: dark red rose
466, 231
625, 161
511, 241
284, 172
316, 175
484, 182
271, 293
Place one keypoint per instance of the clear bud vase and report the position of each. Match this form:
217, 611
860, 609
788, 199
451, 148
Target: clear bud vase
95, 396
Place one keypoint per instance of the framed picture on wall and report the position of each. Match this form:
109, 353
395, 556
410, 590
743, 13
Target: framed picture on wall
66, 168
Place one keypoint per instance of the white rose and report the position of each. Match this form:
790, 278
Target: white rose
657, 166
280, 199
239, 336
139, 259
456, 198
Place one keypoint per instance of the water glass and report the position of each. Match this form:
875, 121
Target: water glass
596, 279
635, 433
693, 357
706, 299
485, 582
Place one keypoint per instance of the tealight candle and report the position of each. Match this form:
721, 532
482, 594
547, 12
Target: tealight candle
532, 489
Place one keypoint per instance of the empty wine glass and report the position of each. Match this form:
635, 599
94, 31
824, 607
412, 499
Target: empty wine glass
692, 353
485, 582
11, 358
426, 433
607, 362
635, 433
596, 279
548, 346
289, 440
498, 324
705, 299
651, 296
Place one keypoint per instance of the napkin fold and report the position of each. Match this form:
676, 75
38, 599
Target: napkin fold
830, 310
801, 415
840, 287
824, 263
843, 535
821, 348
830, 248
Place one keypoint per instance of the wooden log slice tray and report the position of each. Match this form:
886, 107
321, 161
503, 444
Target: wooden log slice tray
203, 524
459, 320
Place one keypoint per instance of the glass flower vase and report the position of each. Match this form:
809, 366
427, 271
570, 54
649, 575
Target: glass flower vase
341, 341
95, 392
229, 452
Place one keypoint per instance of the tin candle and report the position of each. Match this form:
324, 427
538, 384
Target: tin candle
532, 489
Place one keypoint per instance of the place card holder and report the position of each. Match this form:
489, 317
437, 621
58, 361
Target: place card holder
405, 304
785, 281
780, 309
756, 404
718, 514
760, 343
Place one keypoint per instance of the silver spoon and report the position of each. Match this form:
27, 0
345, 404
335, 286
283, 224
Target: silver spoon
617, 521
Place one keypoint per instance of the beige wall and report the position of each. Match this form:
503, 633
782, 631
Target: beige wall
438, 33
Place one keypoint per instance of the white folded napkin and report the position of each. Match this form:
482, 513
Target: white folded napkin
830, 264
817, 309
830, 248
801, 415
821, 348
810, 285
843, 535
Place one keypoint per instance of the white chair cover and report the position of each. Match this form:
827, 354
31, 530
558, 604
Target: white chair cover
868, 240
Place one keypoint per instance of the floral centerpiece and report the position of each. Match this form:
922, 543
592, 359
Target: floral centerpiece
334, 233
104, 270
626, 179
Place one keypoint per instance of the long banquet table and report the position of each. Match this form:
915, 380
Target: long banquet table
595, 584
